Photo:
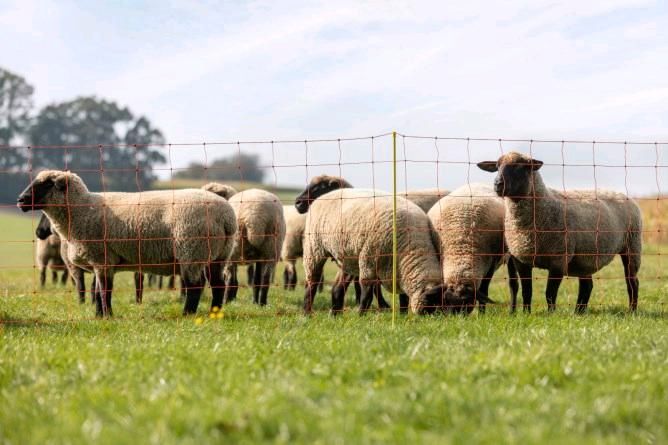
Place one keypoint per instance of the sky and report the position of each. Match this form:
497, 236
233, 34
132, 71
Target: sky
246, 71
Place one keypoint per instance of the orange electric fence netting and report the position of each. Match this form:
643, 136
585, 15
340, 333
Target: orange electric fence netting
465, 238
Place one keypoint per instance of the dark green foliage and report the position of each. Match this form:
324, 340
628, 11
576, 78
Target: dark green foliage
104, 143
239, 167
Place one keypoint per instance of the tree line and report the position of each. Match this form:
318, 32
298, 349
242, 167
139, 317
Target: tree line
110, 147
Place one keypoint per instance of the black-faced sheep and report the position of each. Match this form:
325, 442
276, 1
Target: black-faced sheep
183, 231
573, 233
354, 227
318, 186
469, 225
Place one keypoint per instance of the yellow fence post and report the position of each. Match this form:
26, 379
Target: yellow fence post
394, 227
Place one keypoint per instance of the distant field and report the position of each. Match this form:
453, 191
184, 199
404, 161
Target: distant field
287, 195
271, 375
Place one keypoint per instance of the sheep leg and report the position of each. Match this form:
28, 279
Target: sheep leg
182, 288
286, 276
193, 293
311, 288
631, 278
64, 276
293, 279
80, 283
42, 277
105, 286
231, 283
403, 303
139, 286
378, 291
257, 282
525, 271
339, 293
584, 292
217, 285
250, 274
54, 276
554, 279
267, 272
513, 283
93, 290
367, 297
170, 282
483, 290
358, 290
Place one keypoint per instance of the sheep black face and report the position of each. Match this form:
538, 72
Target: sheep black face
319, 186
433, 300
514, 176
43, 230
39, 192
460, 298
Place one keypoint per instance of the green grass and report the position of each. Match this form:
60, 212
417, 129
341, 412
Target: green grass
272, 375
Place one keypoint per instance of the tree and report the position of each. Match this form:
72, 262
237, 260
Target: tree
104, 143
238, 167
15, 106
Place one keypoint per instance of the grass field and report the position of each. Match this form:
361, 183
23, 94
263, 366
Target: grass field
272, 375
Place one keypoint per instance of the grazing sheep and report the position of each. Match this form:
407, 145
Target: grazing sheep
354, 227
259, 215
469, 225
317, 187
573, 233
424, 198
184, 231
47, 253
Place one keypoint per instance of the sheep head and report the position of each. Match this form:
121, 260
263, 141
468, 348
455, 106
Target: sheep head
515, 174
49, 189
43, 230
222, 190
319, 186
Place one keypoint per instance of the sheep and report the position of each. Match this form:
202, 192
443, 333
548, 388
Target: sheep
187, 231
573, 233
47, 253
292, 248
317, 186
469, 225
354, 227
424, 198
44, 232
259, 216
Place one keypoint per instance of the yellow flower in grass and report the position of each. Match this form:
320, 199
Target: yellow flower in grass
219, 315
199, 321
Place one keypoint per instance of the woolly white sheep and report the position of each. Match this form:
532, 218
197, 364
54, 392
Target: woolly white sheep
573, 233
186, 231
354, 227
469, 225
259, 215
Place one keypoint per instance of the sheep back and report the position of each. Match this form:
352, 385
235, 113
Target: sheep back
259, 215
469, 223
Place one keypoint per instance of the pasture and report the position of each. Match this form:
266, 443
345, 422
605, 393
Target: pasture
271, 375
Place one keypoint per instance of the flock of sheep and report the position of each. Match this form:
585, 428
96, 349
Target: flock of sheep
449, 244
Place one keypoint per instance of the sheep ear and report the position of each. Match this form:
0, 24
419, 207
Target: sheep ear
60, 183
536, 164
488, 166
